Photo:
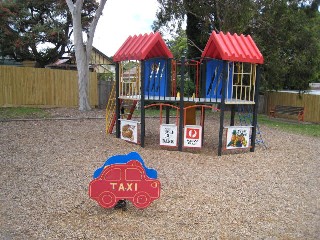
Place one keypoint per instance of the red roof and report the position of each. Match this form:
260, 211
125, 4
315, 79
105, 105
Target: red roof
232, 48
143, 47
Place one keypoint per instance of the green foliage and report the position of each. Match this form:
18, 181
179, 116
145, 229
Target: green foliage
38, 30
202, 17
127, 65
286, 32
189, 86
109, 76
197, 35
289, 40
170, 16
178, 45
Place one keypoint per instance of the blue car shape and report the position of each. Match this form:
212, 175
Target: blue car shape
123, 159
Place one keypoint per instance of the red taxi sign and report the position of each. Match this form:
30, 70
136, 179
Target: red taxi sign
124, 182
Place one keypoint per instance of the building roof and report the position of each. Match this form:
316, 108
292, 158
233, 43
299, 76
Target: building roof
232, 48
64, 63
102, 54
143, 47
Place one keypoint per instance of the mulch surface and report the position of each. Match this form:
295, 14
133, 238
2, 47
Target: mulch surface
46, 168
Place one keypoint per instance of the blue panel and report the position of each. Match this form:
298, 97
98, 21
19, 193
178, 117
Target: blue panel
230, 80
123, 159
214, 79
155, 77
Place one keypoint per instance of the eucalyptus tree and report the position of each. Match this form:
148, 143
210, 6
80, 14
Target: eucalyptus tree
178, 44
83, 49
26, 25
38, 30
201, 18
286, 32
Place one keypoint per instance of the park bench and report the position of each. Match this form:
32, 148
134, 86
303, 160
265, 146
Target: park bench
289, 110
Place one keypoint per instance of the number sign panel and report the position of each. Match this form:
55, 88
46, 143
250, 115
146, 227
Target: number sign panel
168, 135
192, 136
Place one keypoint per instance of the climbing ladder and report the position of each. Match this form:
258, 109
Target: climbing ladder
245, 118
111, 116
111, 109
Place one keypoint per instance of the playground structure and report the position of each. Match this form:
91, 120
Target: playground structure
227, 73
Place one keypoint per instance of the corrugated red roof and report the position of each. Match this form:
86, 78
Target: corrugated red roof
232, 48
143, 47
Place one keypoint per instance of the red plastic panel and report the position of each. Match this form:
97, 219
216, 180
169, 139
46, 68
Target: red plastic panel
143, 47
232, 48
124, 181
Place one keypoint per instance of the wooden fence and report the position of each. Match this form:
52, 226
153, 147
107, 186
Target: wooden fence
24, 86
310, 102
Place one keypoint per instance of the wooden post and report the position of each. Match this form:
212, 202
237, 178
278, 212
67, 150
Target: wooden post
190, 114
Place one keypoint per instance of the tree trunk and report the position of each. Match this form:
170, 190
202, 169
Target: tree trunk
83, 68
82, 51
81, 56
83, 85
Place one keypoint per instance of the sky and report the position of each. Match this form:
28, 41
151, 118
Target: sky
120, 19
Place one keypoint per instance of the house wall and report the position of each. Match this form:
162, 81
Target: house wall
99, 60
24, 86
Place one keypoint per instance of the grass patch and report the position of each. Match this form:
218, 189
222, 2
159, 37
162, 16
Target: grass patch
309, 129
22, 112
154, 112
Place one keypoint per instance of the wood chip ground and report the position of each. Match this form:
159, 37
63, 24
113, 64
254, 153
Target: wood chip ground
46, 167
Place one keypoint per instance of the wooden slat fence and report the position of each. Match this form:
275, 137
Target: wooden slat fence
310, 102
24, 86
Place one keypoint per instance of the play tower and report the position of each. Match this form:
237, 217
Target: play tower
226, 75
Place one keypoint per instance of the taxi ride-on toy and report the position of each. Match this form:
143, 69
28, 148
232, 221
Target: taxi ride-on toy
127, 180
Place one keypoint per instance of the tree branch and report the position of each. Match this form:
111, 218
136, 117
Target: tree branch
93, 27
191, 43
